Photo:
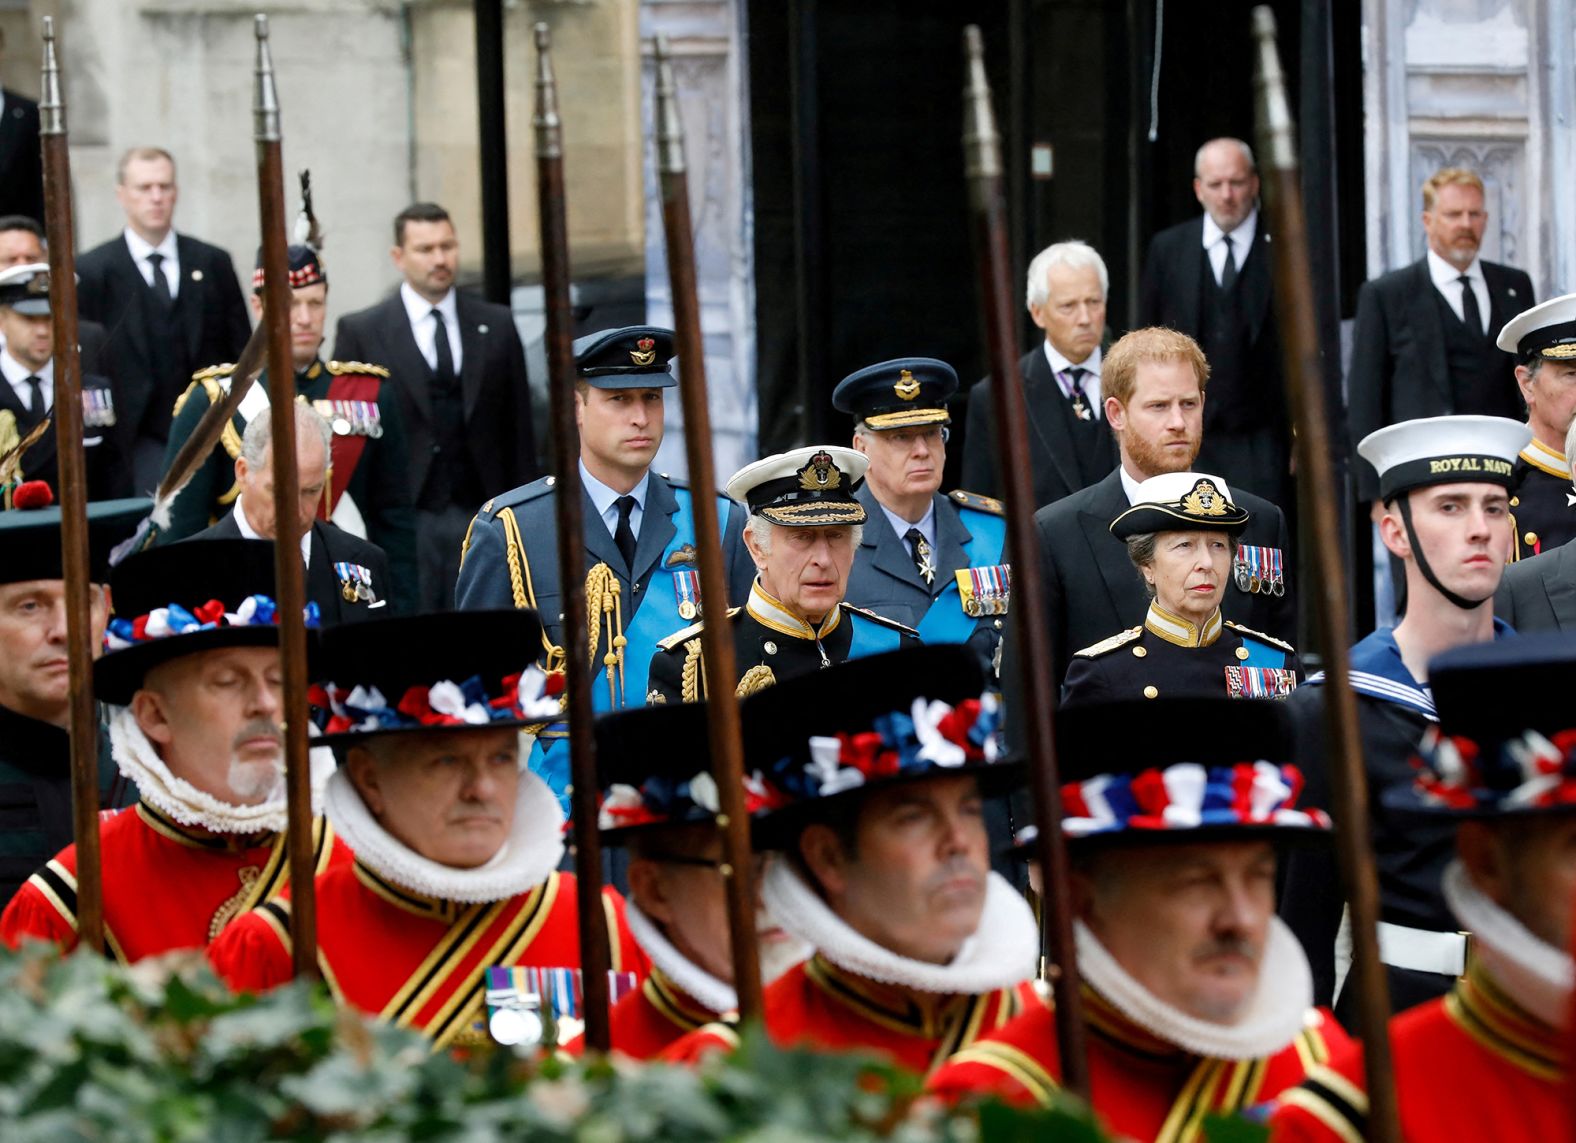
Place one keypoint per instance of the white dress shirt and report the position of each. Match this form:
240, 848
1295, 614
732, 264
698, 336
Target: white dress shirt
140, 249
17, 374
605, 500
1446, 280
926, 526
419, 310
1129, 485
1089, 383
250, 533
1241, 243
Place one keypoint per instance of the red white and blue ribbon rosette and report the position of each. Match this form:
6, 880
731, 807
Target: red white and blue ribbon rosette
165, 622
1187, 796
525, 697
1528, 772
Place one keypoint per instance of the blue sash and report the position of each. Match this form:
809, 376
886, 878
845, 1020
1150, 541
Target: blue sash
871, 638
1263, 654
946, 621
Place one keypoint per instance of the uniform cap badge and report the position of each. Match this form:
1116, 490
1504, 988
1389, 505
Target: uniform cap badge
820, 474
907, 388
1204, 500
645, 351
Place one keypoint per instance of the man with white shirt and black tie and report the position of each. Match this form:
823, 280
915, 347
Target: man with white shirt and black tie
459, 373
1069, 446
171, 302
1210, 278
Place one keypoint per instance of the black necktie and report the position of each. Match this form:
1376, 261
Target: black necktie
1470, 314
1228, 272
35, 399
161, 284
919, 548
445, 355
624, 535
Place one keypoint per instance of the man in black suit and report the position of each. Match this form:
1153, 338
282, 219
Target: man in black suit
347, 577
1424, 342
1539, 594
27, 394
1154, 383
459, 373
171, 303
1069, 447
1210, 278
21, 158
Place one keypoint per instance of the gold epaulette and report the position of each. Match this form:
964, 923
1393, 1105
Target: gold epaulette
978, 503
340, 368
1259, 635
1120, 639
881, 619
214, 371
680, 635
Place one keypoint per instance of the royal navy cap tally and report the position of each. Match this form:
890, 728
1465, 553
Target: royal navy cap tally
449, 670
632, 357
1444, 450
803, 488
1506, 738
1176, 501
306, 268
25, 288
1547, 330
898, 394
654, 770
30, 538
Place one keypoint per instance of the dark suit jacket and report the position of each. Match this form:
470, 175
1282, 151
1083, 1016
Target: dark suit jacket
1051, 448
1398, 369
330, 545
209, 316
108, 467
1540, 594
492, 381
21, 160
1092, 590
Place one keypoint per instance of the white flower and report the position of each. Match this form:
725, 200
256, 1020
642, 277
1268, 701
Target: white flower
535, 705
619, 797
827, 768
158, 623
703, 792
447, 698
242, 616
933, 747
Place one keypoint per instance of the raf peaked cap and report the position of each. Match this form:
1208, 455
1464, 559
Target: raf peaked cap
1444, 450
634, 357
803, 488
1547, 330
1506, 739
1181, 501
306, 268
30, 539
898, 394
26, 288
654, 770
178, 599
449, 670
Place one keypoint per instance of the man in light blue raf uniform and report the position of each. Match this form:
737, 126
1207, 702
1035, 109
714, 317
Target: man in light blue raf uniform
930, 561
643, 568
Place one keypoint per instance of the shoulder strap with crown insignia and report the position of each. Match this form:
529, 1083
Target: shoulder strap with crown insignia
680, 635
866, 613
1259, 635
977, 502
342, 368
1105, 646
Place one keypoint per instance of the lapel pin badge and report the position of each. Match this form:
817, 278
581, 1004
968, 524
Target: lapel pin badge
196, 275
481, 329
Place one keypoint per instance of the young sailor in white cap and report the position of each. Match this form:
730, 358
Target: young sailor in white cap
1542, 506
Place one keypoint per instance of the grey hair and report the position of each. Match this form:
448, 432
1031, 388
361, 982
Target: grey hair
1247, 153
1141, 550
1570, 438
760, 528
259, 437
1072, 253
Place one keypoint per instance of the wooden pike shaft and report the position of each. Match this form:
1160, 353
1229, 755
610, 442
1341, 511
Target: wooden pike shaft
723, 726
289, 587
73, 498
982, 157
1294, 309
595, 955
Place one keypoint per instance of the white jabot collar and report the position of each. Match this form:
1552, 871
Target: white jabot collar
1535, 974
687, 976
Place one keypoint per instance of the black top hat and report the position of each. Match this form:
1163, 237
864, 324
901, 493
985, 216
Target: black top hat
30, 539
654, 770
1506, 740
632, 357
443, 671
179, 599
306, 268
902, 716
898, 394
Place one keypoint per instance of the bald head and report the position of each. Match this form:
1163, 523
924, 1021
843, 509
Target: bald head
1226, 181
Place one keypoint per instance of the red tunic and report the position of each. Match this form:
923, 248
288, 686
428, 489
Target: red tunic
1144, 1088
1470, 1065
417, 961
649, 1019
166, 886
819, 1005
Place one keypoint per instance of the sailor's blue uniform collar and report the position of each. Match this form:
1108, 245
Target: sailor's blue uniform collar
1378, 671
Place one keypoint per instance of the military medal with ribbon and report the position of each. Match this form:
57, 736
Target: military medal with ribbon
526, 1005
686, 589
355, 582
98, 409
1259, 570
1259, 682
985, 590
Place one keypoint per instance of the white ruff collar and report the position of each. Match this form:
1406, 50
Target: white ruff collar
1535, 974
1006, 955
528, 858
1275, 1013
183, 802
687, 976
